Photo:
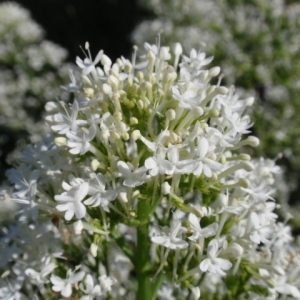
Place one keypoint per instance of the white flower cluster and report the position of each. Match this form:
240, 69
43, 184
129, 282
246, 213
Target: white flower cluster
31, 71
144, 173
257, 44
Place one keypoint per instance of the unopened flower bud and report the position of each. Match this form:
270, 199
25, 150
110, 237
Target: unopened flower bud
235, 250
253, 141
165, 188
140, 76
60, 141
120, 62
150, 56
222, 90
86, 80
177, 49
135, 135
170, 114
133, 121
164, 53
278, 270
215, 71
249, 101
123, 197
127, 67
78, 227
117, 116
93, 250
106, 89
243, 182
214, 113
95, 164
113, 82
89, 92
146, 85
51, 106
140, 104
125, 136
198, 111
105, 60
114, 73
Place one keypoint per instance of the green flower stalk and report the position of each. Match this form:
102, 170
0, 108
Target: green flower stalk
147, 192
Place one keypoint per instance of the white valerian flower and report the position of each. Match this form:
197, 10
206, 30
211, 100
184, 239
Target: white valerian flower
90, 290
64, 285
99, 195
168, 237
64, 122
159, 165
146, 159
79, 141
213, 263
72, 198
39, 278
131, 177
199, 232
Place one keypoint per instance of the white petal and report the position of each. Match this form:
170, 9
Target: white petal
80, 210
205, 265
67, 290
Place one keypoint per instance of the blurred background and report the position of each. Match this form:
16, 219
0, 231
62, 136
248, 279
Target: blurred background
255, 42
39, 41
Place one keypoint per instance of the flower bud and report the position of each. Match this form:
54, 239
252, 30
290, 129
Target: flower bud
177, 49
164, 53
60, 141
105, 60
235, 250
135, 135
165, 188
95, 164
170, 114
78, 227
133, 121
215, 71
93, 250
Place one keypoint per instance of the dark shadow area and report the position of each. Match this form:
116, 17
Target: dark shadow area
106, 24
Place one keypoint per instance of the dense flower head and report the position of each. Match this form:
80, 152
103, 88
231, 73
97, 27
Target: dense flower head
256, 43
150, 149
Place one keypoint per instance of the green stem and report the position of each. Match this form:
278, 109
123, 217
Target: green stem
146, 290
142, 264
143, 258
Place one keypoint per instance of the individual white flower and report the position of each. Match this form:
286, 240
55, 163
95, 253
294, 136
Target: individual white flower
213, 263
89, 288
72, 198
189, 99
64, 285
168, 237
88, 65
199, 232
99, 195
39, 278
79, 142
158, 164
202, 163
106, 282
132, 177
65, 122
